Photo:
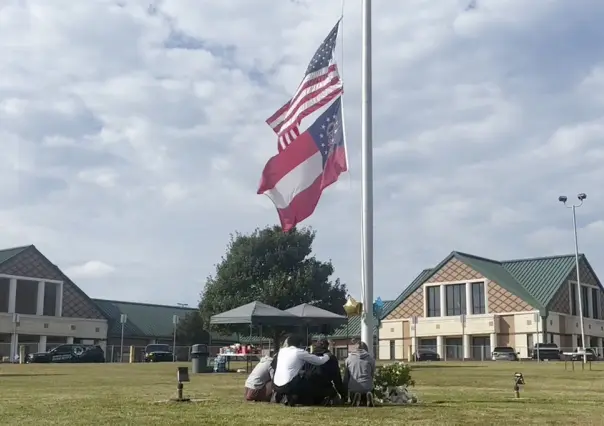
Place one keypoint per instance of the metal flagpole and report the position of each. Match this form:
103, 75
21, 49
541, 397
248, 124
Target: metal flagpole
367, 181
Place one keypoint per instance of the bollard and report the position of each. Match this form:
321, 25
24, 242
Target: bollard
22, 354
131, 355
518, 380
182, 375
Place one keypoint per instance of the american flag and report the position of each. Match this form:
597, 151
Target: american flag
320, 85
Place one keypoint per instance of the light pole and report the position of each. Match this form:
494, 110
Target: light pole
175, 320
123, 321
563, 199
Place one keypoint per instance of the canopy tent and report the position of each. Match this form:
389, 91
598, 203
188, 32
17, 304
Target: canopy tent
313, 316
256, 313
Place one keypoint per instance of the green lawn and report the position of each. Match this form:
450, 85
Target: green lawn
450, 394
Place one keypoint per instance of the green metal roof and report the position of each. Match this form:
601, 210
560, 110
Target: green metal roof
353, 328
146, 320
9, 253
143, 319
543, 276
535, 280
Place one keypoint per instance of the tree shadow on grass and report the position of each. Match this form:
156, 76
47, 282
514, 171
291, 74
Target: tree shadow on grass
30, 374
435, 366
484, 401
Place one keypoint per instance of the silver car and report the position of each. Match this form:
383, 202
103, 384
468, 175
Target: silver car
504, 353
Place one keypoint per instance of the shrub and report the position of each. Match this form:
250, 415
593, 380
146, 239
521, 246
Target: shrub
397, 374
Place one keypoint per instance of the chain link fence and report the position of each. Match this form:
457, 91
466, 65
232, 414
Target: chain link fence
384, 351
397, 351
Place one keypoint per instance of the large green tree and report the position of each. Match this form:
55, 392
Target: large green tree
275, 268
190, 330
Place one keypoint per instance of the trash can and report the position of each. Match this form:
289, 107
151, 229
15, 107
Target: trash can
199, 356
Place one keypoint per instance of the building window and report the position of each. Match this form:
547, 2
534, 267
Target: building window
433, 301
585, 301
456, 299
573, 299
478, 301
595, 305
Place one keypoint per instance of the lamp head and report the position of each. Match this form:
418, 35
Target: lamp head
563, 198
582, 196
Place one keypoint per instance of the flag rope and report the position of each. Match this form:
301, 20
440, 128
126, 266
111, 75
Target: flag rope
342, 79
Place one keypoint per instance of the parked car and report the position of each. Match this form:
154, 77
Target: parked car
68, 353
426, 355
591, 353
546, 351
158, 353
504, 353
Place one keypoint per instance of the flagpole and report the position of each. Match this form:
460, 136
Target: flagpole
367, 181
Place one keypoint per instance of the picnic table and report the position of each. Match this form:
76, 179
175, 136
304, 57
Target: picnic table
239, 356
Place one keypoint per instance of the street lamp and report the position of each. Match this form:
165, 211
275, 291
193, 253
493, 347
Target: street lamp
563, 199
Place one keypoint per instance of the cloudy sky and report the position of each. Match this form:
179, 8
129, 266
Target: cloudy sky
132, 133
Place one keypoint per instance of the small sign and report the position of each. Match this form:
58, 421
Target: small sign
175, 319
182, 374
123, 319
414, 320
16, 318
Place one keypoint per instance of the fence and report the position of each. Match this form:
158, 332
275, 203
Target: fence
457, 352
385, 351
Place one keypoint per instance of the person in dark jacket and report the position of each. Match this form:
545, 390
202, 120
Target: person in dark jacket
325, 381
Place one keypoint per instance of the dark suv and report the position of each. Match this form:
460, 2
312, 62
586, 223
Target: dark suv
504, 353
158, 353
546, 351
68, 353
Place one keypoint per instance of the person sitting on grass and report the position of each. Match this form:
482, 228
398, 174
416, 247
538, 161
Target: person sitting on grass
325, 381
289, 381
359, 371
259, 386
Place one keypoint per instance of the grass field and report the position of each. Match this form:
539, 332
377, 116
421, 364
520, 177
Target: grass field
450, 394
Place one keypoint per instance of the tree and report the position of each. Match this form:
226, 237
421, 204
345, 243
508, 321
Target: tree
275, 268
190, 330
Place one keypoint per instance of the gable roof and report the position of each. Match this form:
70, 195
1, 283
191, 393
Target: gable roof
6, 254
543, 276
415, 284
535, 280
11, 253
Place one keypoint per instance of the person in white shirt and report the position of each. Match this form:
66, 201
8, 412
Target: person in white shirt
258, 386
288, 381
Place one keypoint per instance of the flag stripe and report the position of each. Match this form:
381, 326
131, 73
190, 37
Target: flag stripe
291, 115
287, 161
296, 181
305, 202
311, 83
313, 102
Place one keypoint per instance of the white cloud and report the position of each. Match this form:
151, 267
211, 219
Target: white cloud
90, 269
143, 145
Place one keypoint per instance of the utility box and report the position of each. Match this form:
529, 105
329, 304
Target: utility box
199, 357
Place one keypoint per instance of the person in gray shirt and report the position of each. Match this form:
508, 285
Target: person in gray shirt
259, 384
360, 370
